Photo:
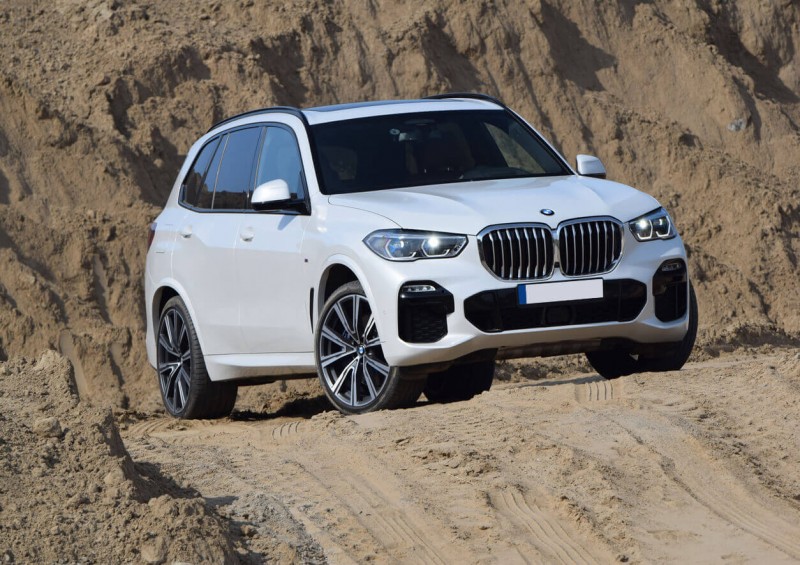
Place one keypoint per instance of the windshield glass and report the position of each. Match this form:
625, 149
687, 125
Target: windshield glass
401, 150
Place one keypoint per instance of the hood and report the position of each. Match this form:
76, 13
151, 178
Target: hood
468, 207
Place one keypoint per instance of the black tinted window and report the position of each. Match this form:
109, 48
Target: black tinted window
235, 176
197, 186
429, 148
280, 159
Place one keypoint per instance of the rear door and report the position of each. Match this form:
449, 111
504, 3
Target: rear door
272, 287
205, 264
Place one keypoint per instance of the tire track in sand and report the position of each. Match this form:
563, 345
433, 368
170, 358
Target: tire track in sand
598, 390
707, 481
383, 510
182, 431
286, 431
549, 535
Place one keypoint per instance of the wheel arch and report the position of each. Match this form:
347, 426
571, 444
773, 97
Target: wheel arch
338, 270
163, 293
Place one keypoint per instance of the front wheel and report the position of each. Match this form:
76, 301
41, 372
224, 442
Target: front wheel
352, 369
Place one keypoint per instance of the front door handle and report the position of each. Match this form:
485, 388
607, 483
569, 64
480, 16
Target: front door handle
186, 232
247, 234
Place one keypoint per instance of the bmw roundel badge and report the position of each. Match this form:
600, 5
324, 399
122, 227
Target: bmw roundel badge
547, 211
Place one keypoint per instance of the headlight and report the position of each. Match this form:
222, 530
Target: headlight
407, 245
655, 225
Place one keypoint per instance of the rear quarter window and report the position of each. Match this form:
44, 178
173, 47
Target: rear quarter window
198, 189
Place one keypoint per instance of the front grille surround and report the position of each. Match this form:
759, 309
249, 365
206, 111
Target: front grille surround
558, 242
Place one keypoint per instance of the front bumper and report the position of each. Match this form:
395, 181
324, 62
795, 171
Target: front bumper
467, 280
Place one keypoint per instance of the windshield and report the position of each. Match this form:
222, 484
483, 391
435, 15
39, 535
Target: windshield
429, 148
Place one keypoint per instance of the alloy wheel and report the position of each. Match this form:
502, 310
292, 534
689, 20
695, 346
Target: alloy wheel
350, 355
174, 360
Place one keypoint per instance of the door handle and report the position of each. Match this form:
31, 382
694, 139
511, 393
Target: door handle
186, 232
247, 234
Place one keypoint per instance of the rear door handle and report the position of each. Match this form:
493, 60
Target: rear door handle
186, 232
247, 234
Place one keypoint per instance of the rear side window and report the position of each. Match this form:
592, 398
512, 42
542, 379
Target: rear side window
197, 187
235, 178
280, 159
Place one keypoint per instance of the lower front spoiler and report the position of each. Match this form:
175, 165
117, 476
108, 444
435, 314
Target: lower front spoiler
547, 350
645, 333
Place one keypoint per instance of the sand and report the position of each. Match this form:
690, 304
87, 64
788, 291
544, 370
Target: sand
696, 103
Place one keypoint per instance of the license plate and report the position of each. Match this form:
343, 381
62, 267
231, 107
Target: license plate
560, 291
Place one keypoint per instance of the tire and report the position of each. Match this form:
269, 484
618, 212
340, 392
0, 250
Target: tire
350, 362
618, 363
460, 382
186, 390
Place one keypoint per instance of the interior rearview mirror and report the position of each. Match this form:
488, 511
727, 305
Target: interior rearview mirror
270, 195
590, 166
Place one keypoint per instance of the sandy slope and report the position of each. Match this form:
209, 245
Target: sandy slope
694, 102
701, 465
69, 492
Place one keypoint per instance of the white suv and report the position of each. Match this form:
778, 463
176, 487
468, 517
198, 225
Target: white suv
400, 247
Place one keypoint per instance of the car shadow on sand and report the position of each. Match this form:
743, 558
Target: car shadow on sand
305, 407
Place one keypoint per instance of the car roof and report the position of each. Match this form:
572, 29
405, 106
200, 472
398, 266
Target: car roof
353, 110
339, 112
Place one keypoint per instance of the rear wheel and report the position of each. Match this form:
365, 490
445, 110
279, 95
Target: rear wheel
352, 369
460, 382
618, 363
186, 390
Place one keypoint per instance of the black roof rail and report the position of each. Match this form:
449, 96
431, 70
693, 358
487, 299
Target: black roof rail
474, 95
284, 109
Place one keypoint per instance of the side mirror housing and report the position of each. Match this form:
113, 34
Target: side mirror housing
271, 195
590, 166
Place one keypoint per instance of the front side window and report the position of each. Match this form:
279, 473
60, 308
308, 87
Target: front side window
280, 159
198, 188
426, 148
235, 177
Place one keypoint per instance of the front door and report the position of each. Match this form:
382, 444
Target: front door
273, 290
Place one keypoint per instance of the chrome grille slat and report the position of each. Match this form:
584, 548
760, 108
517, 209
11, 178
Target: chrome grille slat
528, 245
574, 247
502, 255
547, 260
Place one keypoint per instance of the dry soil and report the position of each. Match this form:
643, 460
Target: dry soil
696, 102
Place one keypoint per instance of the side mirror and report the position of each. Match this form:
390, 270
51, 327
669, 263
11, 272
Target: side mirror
590, 166
270, 195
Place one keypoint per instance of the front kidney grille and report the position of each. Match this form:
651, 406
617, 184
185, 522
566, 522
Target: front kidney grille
528, 252
519, 253
589, 247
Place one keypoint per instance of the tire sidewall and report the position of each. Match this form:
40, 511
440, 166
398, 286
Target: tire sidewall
196, 358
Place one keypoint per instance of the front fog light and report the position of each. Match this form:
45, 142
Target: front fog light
415, 288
